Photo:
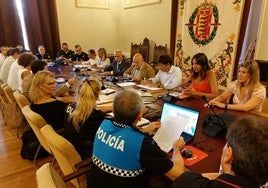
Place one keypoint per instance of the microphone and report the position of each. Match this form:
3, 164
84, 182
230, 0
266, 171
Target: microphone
213, 123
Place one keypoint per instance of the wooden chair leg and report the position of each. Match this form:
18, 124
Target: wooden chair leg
36, 153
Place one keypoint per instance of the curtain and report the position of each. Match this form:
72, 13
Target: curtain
211, 27
10, 30
42, 25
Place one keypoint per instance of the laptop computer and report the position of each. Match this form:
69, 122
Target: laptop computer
191, 115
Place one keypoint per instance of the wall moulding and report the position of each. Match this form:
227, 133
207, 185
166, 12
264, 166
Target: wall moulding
138, 3
94, 4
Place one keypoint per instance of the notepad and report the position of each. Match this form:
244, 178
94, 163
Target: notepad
126, 84
148, 88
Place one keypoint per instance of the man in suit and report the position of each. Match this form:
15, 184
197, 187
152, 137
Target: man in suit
139, 70
118, 66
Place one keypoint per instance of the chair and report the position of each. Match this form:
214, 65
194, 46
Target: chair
12, 115
66, 155
144, 50
135, 48
21, 99
158, 50
47, 176
36, 122
9, 93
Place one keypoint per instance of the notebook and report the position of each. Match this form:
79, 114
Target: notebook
191, 115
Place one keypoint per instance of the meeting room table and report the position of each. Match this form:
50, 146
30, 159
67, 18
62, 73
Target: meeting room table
212, 146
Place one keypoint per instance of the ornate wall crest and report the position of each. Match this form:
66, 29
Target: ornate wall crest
201, 27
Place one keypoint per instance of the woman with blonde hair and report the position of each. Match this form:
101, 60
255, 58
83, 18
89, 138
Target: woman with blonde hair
104, 61
84, 118
51, 108
248, 93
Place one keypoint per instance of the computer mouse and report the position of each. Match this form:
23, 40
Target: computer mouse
186, 153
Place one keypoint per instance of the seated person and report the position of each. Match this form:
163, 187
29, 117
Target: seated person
42, 101
64, 53
39, 65
168, 76
118, 66
202, 81
104, 61
84, 118
139, 70
79, 55
3, 54
42, 55
248, 93
244, 158
5, 68
93, 59
25, 60
122, 153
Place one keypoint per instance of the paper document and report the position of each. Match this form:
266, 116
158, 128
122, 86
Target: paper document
107, 91
126, 84
147, 87
170, 130
103, 99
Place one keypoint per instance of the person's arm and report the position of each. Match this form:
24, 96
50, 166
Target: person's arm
249, 105
109, 68
175, 80
156, 79
65, 87
128, 72
211, 176
178, 163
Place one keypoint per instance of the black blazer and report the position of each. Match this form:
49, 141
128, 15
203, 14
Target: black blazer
118, 71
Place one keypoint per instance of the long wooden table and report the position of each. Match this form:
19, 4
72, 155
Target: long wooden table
212, 146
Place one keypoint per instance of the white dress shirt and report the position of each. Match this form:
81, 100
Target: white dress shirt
170, 79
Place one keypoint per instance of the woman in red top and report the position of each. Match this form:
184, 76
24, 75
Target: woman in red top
202, 80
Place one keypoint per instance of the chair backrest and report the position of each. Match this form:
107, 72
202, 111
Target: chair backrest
47, 176
65, 154
36, 122
140, 48
21, 99
135, 48
144, 50
3, 97
159, 50
9, 93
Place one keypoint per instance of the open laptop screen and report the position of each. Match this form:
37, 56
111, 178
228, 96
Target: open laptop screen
183, 112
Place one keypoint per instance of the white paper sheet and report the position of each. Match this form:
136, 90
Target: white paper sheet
170, 130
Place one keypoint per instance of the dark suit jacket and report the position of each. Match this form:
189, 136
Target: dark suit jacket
118, 71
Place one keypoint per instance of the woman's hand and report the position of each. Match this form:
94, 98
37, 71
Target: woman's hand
214, 102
